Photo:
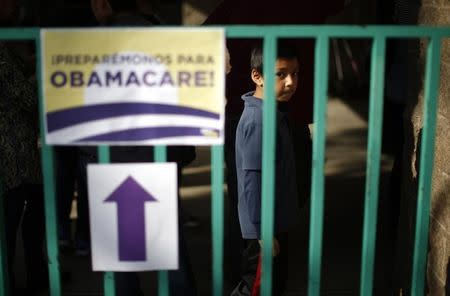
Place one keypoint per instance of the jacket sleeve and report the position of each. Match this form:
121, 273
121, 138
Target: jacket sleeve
253, 197
251, 164
252, 147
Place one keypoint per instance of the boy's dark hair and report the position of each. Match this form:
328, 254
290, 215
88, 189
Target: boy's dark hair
123, 5
285, 49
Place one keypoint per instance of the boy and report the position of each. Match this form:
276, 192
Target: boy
248, 168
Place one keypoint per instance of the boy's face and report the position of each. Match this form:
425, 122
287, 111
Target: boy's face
286, 79
286, 71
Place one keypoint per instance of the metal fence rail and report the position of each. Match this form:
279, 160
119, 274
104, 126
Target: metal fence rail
270, 35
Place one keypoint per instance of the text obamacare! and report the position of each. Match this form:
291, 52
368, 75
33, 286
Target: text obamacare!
74, 79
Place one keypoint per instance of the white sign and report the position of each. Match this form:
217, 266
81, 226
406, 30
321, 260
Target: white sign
112, 86
134, 216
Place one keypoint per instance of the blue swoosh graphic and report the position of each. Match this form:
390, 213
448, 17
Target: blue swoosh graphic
68, 117
141, 134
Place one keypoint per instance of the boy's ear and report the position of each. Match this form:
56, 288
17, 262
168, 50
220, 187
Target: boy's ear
257, 78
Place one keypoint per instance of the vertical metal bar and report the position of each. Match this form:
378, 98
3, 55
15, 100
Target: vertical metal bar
109, 283
318, 163
268, 162
49, 185
50, 218
217, 218
103, 154
432, 78
4, 278
163, 283
108, 277
373, 164
160, 153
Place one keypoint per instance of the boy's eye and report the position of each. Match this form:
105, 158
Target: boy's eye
283, 75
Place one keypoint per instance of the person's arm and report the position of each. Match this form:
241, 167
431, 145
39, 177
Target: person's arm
252, 143
253, 197
251, 164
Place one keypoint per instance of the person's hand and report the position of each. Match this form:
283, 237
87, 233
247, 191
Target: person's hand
227, 61
275, 247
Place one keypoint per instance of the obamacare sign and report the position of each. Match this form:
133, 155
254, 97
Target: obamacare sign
133, 86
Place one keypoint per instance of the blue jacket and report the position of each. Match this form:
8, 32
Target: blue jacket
248, 169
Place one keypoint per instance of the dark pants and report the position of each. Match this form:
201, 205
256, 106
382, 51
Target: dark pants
250, 264
71, 166
234, 244
182, 281
83, 225
393, 141
66, 158
26, 203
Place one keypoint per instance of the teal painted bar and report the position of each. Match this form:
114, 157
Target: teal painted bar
373, 164
308, 31
318, 164
217, 218
313, 31
49, 184
432, 78
163, 282
108, 277
103, 154
4, 278
109, 283
51, 218
160, 154
19, 34
268, 162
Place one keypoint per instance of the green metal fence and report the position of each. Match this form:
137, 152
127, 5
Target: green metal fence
270, 34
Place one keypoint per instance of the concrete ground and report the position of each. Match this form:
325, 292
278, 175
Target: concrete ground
343, 216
